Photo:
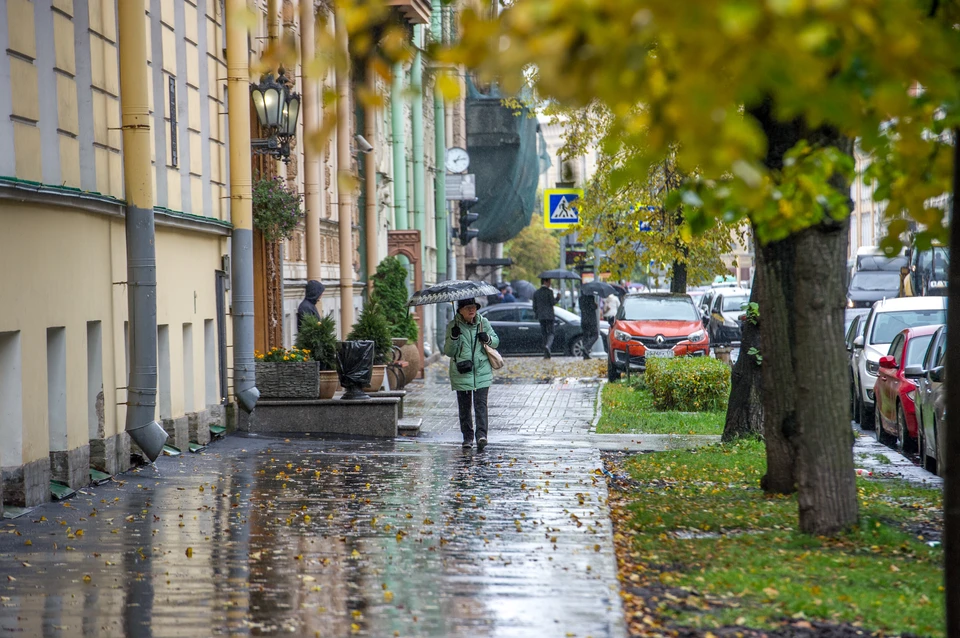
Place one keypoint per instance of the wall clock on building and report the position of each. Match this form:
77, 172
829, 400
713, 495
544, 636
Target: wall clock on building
457, 160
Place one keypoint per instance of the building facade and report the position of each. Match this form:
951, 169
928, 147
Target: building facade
64, 321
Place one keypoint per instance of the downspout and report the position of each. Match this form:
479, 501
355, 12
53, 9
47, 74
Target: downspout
311, 154
241, 204
440, 151
344, 208
370, 170
400, 221
419, 194
140, 237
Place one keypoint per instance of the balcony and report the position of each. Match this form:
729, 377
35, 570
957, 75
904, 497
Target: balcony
414, 11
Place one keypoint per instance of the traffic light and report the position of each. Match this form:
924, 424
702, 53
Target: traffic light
467, 218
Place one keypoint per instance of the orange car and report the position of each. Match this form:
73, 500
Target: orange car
654, 325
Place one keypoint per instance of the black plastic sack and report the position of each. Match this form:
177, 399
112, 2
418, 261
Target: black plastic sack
355, 366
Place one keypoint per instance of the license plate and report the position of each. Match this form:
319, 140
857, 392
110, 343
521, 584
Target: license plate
659, 354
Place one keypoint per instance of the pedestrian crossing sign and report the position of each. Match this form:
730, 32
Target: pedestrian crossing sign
561, 207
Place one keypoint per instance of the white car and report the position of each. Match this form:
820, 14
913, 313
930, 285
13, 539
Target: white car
887, 318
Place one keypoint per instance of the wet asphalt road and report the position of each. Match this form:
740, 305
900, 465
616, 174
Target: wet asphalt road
312, 537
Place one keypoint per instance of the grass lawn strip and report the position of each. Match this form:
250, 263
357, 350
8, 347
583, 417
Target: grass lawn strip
628, 409
702, 550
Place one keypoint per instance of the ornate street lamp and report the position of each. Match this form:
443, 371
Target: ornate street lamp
278, 109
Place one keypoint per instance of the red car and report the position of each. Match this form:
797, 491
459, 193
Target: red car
895, 389
654, 325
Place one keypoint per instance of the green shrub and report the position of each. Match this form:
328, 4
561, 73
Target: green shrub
390, 291
688, 384
319, 338
373, 326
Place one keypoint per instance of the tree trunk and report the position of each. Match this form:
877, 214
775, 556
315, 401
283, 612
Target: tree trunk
807, 424
745, 408
678, 280
951, 488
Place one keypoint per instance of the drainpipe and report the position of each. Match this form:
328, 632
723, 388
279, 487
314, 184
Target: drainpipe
241, 205
440, 150
419, 194
400, 221
345, 204
141, 253
311, 154
370, 170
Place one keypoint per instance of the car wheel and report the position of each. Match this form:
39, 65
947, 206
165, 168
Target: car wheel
612, 373
905, 443
881, 434
925, 461
868, 420
937, 465
577, 349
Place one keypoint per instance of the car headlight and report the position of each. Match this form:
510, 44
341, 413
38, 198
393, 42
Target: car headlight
697, 336
911, 394
873, 367
620, 335
851, 304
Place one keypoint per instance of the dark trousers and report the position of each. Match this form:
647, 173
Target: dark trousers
477, 399
591, 332
546, 331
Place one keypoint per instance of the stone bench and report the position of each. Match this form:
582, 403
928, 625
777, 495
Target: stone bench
376, 416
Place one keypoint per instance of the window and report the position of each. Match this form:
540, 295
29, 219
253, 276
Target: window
528, 316
210, 363
876, 281
163, 368
896, 349
501, 314
11, 400
94, 380
733, 304
887, 324
916, 349
57, 387
172, 93
188, 402
664, 308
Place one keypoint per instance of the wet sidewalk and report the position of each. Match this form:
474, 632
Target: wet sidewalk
312, 537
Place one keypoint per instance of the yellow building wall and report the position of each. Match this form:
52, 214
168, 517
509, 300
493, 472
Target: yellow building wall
64, 268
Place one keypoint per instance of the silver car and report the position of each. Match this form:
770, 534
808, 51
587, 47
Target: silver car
887, 318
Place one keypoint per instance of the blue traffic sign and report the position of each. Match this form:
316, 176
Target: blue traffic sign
561, 207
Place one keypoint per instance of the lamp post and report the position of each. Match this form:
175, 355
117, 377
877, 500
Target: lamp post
278, 109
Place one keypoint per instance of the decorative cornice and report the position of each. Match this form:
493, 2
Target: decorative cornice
37, 193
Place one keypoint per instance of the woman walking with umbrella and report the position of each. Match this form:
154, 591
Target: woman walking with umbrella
470, 371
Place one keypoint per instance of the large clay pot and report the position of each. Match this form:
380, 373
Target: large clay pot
411, 354
329, 382
377, 379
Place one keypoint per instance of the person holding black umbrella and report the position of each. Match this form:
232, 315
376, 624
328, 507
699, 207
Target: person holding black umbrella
470, 371
543, 309
589, 323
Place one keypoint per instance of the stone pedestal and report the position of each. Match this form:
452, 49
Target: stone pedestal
27, 485
198, 426
399, 394
179, 431
71, 466
374, 417
231, 416
122, 445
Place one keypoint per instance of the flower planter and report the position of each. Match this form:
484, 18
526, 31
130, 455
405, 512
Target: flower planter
377, 379
329, 382
288, 379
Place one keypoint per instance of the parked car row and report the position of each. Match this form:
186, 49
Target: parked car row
896, 373
519, 330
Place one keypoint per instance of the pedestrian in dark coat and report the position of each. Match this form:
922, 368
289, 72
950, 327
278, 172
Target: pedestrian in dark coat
466, 336
309, 304
508, 296
543, 309
589, 323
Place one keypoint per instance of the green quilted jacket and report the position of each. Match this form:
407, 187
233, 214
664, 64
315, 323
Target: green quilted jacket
469, 347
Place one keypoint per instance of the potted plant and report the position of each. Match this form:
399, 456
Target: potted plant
373, 326
276, 209
287, 374
318, 337
390, 290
